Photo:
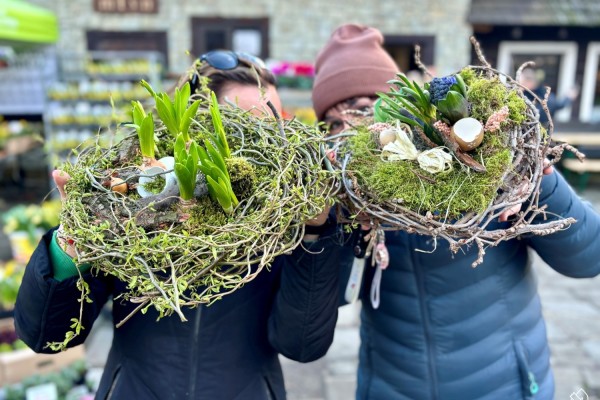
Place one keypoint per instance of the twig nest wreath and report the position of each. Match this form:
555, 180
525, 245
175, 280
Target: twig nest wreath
245, 184
446, 158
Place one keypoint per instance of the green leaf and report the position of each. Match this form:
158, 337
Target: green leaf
147, 86
186, 119
232, 195
184, 178
194, 152
217, 173
221, 194
453, 107
179, 146
186, 167
426, 101
379, 110
146, 136
167, 114
137, 112
221, 140
216, 157
182, 96
460, 85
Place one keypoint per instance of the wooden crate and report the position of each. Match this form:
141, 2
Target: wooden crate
20, 364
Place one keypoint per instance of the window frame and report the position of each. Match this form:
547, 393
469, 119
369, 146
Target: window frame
199, 25
592, 60
567, 68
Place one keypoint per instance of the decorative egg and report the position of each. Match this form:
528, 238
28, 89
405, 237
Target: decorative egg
468, 133
387, 136
118, 185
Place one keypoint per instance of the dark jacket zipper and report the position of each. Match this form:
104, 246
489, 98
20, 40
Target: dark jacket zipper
194, 355
425, 316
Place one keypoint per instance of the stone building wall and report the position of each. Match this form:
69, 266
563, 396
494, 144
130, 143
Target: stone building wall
297, 29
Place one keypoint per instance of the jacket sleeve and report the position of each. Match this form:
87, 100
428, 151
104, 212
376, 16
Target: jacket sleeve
574, 251
304, 314
45, 306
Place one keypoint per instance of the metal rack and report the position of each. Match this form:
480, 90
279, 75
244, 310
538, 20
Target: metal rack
81, 75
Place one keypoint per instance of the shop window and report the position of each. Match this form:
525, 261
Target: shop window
126, 6
557, 60
128, 41
402, 50
590, 93
239, 34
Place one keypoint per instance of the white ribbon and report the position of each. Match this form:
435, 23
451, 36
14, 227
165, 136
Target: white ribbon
400, 149
433, 160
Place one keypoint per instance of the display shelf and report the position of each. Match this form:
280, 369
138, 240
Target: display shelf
93, 94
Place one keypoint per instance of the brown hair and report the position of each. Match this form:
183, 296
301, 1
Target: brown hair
246, 73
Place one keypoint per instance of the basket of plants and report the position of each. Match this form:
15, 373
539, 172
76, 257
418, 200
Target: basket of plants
448, 157
196, 201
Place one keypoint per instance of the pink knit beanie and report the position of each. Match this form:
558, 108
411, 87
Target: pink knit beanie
352, 63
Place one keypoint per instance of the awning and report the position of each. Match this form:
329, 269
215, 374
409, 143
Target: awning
24, 22
535, 12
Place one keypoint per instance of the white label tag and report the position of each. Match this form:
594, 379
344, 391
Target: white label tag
47, 391
355, 280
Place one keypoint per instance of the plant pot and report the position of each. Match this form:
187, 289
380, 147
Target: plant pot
152, 174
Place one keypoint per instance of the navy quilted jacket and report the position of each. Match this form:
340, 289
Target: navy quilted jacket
447, 331
228, 350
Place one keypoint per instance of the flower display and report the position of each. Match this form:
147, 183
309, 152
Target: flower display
292, 74
447, 157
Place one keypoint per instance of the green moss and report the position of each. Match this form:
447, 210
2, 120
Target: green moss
449, 195
204, 216
490, 95
516, 107
242, 175
155, 185
468, 75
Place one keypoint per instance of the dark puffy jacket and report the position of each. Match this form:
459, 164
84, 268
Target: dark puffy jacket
228, 350
445, 330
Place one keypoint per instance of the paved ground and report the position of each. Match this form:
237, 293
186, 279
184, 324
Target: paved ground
571, 309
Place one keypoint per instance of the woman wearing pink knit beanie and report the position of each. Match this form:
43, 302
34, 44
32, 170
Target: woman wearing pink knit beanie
440, 329
353, 63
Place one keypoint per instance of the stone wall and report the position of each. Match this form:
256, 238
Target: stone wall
297, 29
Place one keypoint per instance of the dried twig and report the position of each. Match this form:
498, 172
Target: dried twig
419, 63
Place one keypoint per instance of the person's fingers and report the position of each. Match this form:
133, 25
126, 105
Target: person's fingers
331, 155
503, 217
60, 179
548, 168
64, 244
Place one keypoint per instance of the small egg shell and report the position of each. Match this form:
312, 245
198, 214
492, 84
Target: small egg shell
118, 185
468, 133
387, 136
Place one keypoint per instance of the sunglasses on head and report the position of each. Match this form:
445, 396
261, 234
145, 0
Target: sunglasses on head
225, 60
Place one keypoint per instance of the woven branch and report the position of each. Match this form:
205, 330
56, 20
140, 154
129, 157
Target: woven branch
142, 242
519, 186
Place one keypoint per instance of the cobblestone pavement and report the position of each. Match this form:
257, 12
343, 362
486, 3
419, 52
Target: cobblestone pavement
572, 311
